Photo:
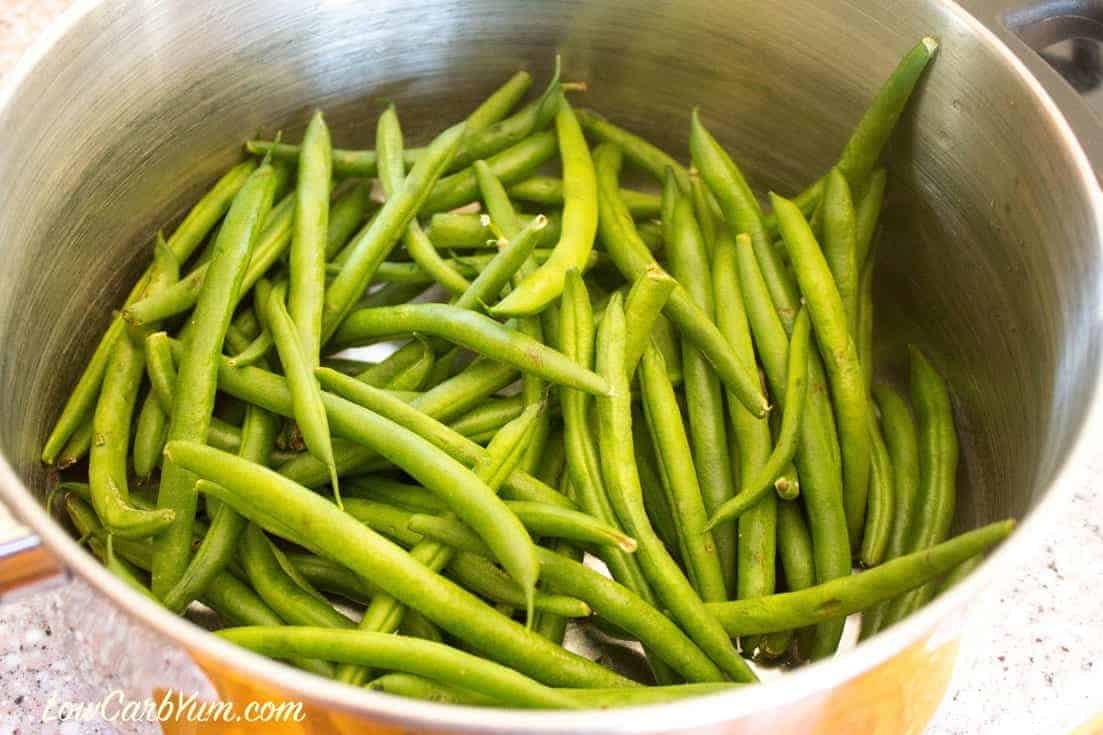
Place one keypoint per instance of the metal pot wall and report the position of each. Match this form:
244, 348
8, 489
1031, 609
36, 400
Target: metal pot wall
990, 259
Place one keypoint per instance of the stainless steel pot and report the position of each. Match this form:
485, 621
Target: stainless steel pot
991, 251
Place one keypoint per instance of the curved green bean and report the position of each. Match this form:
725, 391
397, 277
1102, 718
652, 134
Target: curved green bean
645, 155
161, 369
840, 246
868, 209
785, 448
474, 331
846, 595
469, 231
642, 307
579, 223
879, 516
548, 191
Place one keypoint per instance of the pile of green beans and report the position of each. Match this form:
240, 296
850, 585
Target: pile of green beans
679, 386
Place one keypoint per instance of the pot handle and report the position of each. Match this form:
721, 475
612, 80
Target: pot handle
1030, 30
26, 565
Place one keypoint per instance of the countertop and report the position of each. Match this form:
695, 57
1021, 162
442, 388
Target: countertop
1031, 658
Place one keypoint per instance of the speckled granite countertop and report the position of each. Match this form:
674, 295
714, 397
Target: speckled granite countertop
1031, 656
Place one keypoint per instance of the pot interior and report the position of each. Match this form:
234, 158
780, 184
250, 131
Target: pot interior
987, 255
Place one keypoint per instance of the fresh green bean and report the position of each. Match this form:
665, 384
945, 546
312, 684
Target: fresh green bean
642, 307
161, 369
705, 210
415, 625
633, 258
643, 154
346, 215
150, 432
401, 653
122, 568
187, 237
489, 416
619, 469
865, 218
788, 483
107, 473
274, 239
388, 146
844, 372
78, 444
332, 578
479, 575
549, 192
864, 331
796, 388
290, 601
840, 247
539, 288
463, 231
901, 438
471, 330
655, 498
850, 594
818, 456
406, 356
197, 380
513, 164
411, 274
497, 273
938, 456
370, 247
545, 521
306, 394
664, 419
414, 377
794, 546
256, 351
689, 263
307, 258
879, 516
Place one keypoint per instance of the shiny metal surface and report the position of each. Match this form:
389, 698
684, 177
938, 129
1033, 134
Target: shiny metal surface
990, 254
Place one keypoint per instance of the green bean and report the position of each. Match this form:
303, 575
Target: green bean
796, 388
579, 223
414, 687
274, 239
864, 332
643, 154
290, 601
549, 192
879, 516
705, 210
258, 436
370, 247
306, 394
513, 164
808, 201
346, 215
197, 379
489, 416
411, 274
416, 626
307, 258
938, 456
161, 369
618, 466
77, 445
642, 307
382, 373
393, 492
868, 210
794, 546
107, 474
401, 653
902, 441
840, 244
121, 568
818, 456
751, 442
256, 351
479, 575
463, 231
385, 613
958, 573
474, 331
632, 258
788, 483
689, 263
345, 162
699, 550
150, 432
388, 146
840, 356
652, 483
497, 273
576, 338
846, 595
413, 378
333, 578
282, 507
545, 521
187, 237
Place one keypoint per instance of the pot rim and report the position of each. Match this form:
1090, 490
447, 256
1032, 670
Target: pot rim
711, 709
